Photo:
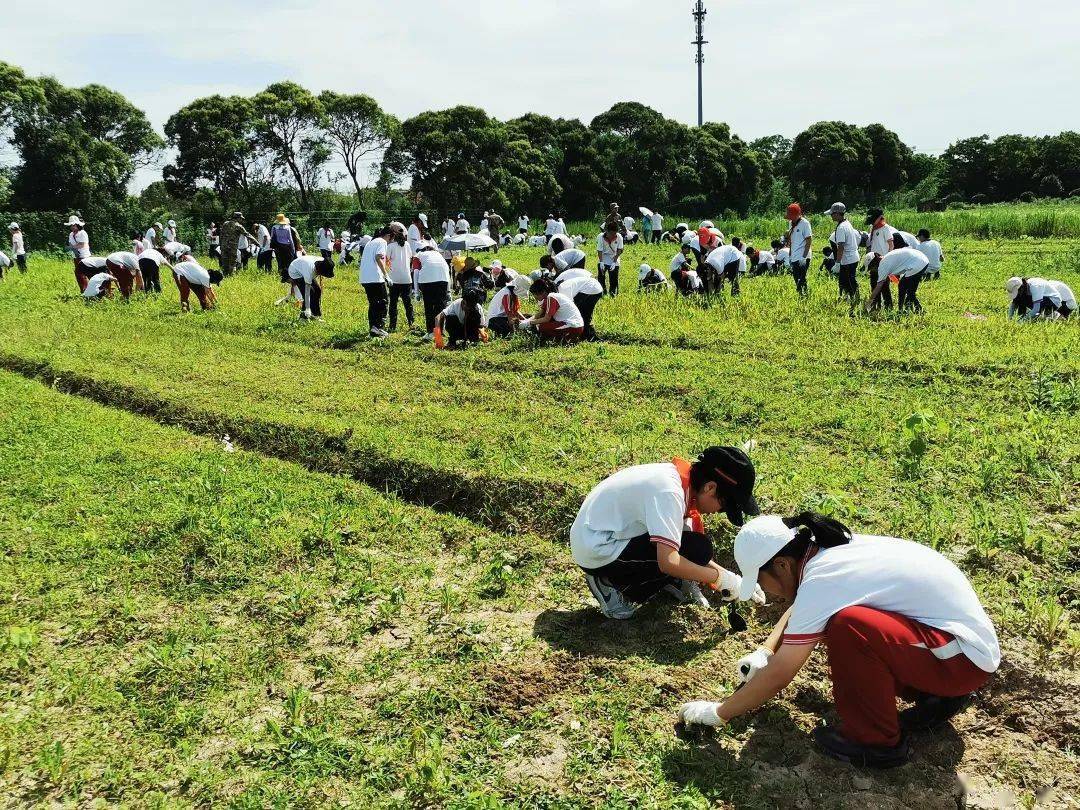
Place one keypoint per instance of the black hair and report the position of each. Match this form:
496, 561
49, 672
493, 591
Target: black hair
777, 244
827, 251
215, 276
736, 242
547, 262
398, 236
542, 287
324, 268
815, 528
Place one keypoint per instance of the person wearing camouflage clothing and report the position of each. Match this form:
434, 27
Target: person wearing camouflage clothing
230, 232
614, 220
495, 226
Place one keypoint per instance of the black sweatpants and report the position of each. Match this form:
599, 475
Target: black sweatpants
849, 287
457, 333
402, 292
636, 573
436, 297
500, 326
376, 299
604, 274
265, 261
586, 304
151, 275
798, 272
312, 294
909, 287
20, 262
731, 275
285, 255
886, 294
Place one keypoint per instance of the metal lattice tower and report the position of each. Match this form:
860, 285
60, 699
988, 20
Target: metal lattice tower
699, 13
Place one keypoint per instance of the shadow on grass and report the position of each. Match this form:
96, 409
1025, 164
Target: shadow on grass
778, 766
658, 632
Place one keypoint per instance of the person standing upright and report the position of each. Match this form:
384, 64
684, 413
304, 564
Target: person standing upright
881, 243
79, 247
800, 237
609, 250
325, 237
657, 227
374, 270
286, 244
18, 246
230, 232
847, 252
523, 224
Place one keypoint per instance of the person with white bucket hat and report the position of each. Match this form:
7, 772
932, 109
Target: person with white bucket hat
18, 246
898, 620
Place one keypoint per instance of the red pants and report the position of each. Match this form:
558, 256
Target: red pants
552, 331
874, 659
186, 288
82, 275
124, 277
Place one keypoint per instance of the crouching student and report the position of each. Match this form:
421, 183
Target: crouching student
585, 292
905, 264
726, 263
640, 531
464, 320
124, 266
5, 263
1068, 299
192, 277
99, 286
432, 279
305, 272
931, 248
650, 279
86, 269
557, 318
760, 261
150, 262
504, 312
897, 619
1033, 298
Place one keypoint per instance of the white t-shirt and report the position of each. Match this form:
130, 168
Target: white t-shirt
325, 238
783, 255
766, 259
879, 239
609, 251
94, 285
897, 576
931, 249
909, 239
456, 310
1065, 293
559, 243
150, 235
645, 499
586, 285
725, 255
679, 262
657, 222
303, 267
194, 272
4, 260
414, 237
18, 246
565, 310
560, 226
550, 228
124, 259
369, 270
449, 227
152, 255
263, 235
902, 262
523, 223
847, 236
629, 223
79, 242
176, 249
1040, 288
93, 263
400, 257
462, 226
498, 302
169, 235
799, 234
573, 272
433, 267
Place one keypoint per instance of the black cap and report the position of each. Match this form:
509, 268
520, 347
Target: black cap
873, 215
733, 472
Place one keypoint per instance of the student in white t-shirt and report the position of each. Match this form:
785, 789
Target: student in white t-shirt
760, 261
557, 317
687, 280
124, 266
523, 224
504, 313
650, 280
462, 225
907, 266
18, 245
150, 263
1068, 298
325, 237
846, 239
79, 247
800, 240
374, 269
640, 531
727, 263
192, 277
576, 284
931, 248
99, 286
609, 250
897, 617
881, 242
464, 320
306, 272
399, 256
1033, 298
432, 279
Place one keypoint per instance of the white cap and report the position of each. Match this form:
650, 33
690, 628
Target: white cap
157, 224
496, 265
74, 220
422, 218
643, 271
568, 258
172, 223
14, 226
706, 223
1013, 285
757, 542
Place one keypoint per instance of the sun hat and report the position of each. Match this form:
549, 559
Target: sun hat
794, 211
172, 223
837, 208
422, 218
74, 220
756, 543
1013, 285
157, 224
14, 226
281, 219
236, 215
496, 267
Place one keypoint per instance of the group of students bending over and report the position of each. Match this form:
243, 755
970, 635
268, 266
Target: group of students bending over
898, 619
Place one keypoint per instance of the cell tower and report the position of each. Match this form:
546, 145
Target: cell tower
699, 13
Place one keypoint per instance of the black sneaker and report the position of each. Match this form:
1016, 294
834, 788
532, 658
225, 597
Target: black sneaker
833, 744
931, 711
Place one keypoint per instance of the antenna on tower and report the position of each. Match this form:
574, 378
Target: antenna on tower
699, 13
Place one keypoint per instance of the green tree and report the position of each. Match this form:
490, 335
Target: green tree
889, 159
1015, 161
356, 127
967, 166
830, 159
1061, 157
287, 125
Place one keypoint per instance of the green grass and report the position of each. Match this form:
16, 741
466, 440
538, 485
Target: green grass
186, 625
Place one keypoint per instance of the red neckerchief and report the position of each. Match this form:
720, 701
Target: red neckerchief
877, 226
697, 524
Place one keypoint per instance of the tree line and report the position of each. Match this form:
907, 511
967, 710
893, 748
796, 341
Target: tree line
77, 149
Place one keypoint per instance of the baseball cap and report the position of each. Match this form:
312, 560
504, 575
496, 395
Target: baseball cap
756, 543
734, 474
837, 208
873, 215
794, 211
1013, 285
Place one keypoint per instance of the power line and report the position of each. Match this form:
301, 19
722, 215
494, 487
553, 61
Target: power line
698, 14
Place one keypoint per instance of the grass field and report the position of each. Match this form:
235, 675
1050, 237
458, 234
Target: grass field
372, 601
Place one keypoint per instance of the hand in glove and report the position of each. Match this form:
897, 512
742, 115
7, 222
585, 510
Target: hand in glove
750, 665
700, 713
728, 585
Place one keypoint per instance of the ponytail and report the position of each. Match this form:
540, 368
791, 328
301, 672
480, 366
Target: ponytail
813, 528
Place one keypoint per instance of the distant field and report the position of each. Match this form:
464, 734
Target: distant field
372, 600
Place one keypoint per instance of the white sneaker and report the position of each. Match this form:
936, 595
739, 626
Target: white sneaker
612, 603
688, 593
281, 301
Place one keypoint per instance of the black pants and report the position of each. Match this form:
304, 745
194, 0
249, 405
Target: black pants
637, 575
456, 332
245, 257
327, 255
265, 261
586, 303
312, 296
285, 255
798, 272
404, 293
500, 326
849, 287
436, 297
151, 275
886, 294
731, 275
1064, 311
376, 299
612, 273
20, 262
909, 287
656, 237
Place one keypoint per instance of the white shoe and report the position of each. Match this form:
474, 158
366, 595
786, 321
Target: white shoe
612, 603
688, 593
379, 334
429, 336
281, 301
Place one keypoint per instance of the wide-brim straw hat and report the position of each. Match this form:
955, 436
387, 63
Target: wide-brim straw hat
281, 219
74, 220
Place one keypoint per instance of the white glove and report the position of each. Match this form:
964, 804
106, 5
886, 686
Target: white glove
700, 713
750, 665
730, 583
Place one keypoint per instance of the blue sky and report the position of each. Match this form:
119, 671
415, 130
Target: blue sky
933, 71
